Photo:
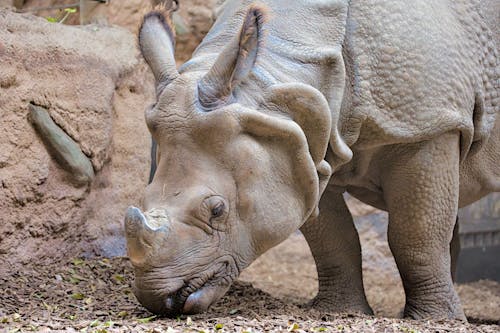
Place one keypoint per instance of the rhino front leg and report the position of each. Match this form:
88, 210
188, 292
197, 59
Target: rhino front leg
334, 243
421, 189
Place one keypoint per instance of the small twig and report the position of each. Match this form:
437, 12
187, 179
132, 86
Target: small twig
64, 18
69, 11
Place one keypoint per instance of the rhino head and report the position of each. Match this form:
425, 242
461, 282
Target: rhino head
234, 176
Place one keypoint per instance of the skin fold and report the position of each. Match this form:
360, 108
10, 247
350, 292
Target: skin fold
285, 106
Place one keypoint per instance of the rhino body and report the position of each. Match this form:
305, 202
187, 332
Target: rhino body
286, 105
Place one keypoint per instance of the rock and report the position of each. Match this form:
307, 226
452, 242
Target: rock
95, 87
6, 3
193, 19
64, 149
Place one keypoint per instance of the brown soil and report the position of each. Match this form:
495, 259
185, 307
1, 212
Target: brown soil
95, 295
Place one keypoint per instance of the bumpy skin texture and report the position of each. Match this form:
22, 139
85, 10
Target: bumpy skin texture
418, 71
395, 102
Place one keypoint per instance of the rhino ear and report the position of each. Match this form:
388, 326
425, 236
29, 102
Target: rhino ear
234, 62
156, 41
310, 110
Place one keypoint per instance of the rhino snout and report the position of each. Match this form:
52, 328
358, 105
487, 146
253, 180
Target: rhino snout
176, 302
172, 296
181, 301
170, 305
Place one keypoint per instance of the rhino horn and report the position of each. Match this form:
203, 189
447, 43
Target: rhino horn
234, 62
140, 235
157, 42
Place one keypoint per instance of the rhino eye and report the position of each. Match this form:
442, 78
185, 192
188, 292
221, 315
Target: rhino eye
218, 210
214, 212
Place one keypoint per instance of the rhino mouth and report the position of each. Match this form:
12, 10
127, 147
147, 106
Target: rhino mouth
196, 295
199, 293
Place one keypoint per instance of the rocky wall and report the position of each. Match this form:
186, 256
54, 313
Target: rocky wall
93, 86
193, 19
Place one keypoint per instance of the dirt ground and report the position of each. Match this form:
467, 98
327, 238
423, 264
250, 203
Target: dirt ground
94, 295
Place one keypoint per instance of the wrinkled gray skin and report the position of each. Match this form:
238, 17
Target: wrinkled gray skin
290, 102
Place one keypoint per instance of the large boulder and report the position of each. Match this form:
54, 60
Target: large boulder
93, 86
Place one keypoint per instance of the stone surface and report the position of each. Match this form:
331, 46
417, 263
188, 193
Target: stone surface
195, 15
95, 87
5, 3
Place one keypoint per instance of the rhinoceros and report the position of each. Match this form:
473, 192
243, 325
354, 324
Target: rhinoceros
286, 105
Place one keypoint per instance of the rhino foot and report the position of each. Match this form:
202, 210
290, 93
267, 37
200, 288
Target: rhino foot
428, 309
326, 304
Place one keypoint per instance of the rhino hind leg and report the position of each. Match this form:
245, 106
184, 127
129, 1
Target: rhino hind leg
421, 190
334, 243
